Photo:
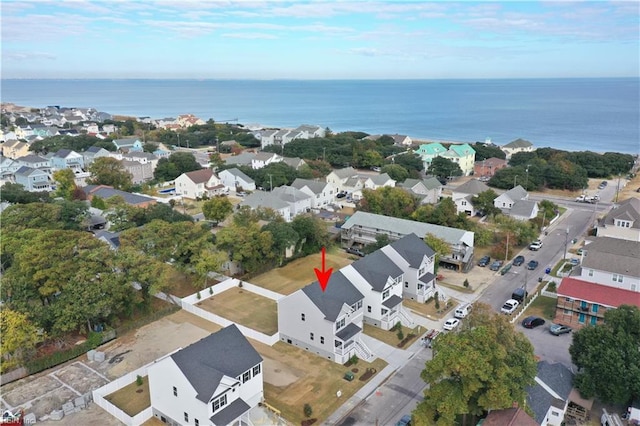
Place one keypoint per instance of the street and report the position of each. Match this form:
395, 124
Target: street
404, 390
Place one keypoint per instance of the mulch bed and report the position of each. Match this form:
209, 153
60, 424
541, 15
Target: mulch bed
405, 340
368, 374
308, 422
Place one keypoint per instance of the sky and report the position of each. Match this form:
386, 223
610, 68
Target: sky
319, 39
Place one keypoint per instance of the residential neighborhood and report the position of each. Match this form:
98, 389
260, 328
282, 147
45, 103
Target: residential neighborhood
225, 250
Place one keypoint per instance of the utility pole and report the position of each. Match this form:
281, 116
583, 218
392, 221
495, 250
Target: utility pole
506, 254
270, 183
324, 149
566, 240
526, 182
515, 179
178, 140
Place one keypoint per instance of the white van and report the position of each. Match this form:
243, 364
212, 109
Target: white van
462, 311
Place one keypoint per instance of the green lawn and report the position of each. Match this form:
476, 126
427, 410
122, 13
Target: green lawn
132, 398
543, 306
390, 337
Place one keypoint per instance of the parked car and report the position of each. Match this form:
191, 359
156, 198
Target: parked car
519, 294
341, 195
509, 306
241, 194
533, 264
355, 251
405, 420
558, 329
603, 184
484, 261
532, 322
496, 265
462, 310
574, 261
519, 260
536, 245
376, 169
451, 323
580, 251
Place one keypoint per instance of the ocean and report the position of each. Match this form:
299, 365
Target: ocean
598, 115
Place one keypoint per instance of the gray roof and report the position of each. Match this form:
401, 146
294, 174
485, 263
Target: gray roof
315, 186
112, 238
409, 183
339, 291
473, 186
376, 268
205, 362
264, 156
345, 173
516, 193
105, 193
94, 149
239, 174
613, 255
32, 158
404, 226
557, 377
393, 301
63, 153
518, 143
348, 332
290, 194
147, 155
380, 179
263, 199
412, 249
27, 171
292, 161
230, 412
626, 210
244, 158
432, 183
522, 208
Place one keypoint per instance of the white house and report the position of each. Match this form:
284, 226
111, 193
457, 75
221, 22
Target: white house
322, 193
463, 194
35, 162
235, 180
378, 181
215, 381
549, 397
263, 159
198, 183
622, 222
380, 280
142, 158
328, 323
7, 168
298, 201
261, 199
506, 200
612, 262
524, 210
417, 260
427, 190
339, 177
518, 145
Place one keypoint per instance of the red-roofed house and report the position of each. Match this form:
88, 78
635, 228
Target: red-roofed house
583, 303
198, 184
488, 167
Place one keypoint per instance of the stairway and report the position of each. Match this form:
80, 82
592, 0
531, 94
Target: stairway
363, 352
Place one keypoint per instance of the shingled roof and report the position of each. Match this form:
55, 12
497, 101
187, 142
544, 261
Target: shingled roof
339, 291
412, 249
224, 353
376, 268
613, 255
473, 186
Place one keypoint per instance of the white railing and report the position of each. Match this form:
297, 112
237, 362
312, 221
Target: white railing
523, 308
363, 351
406, 319
547, 293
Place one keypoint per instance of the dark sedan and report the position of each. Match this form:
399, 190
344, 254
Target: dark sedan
484, 261
496, 265
533, 264
519, 260
532, 322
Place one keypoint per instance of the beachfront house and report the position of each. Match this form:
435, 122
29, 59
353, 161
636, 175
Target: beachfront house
515, 146
328, 323
461, 154
215, 381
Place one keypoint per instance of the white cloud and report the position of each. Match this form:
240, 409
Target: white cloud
22, 56
249, 35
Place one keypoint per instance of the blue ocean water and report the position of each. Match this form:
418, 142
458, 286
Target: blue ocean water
572, 114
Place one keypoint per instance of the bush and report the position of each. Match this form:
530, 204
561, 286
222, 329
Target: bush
353, 360
437, 298
308, 411
552, 287
139, 380
466, 283
199, 297
211, 290
400, 334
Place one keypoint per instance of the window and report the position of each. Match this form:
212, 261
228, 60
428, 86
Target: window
302, 317
196, 422
311, 336
340, 324
369, 309
246, 376
359, 304
617, 278
385, 294
321, 340
594, 307
406, 284
567, 312
186, 417
219, 403
256, 370
175, 391
590, 272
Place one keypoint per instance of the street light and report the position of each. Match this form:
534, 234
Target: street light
566, 240
526, 182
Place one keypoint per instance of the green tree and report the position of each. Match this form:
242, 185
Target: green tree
410, 161
284, 237
608, 358
177, 164
249, 245
484, 151
487, 365
217, 209
440, 246
388, 201
98, 203
381, 241
396, 172
19, 338
483, 202
371, 158
65, 183
111, 172
215, 161
313, 233
208, 261
444, 168
15, 193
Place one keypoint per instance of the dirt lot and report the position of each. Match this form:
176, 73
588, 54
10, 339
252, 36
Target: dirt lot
245, 308
299, 273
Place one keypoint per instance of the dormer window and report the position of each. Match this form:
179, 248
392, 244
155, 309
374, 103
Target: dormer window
623, 223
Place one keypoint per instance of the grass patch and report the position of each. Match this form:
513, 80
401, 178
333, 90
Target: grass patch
299, 273
543, 306
129, 400
461, 288
319, 381
390, 337
244, 307
428, 309
182, 285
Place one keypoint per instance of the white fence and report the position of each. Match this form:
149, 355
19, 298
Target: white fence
547, 293
111, 387
188, 304
523, 308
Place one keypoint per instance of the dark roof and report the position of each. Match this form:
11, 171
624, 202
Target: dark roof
518, 143
112, 238
348, 332
224, 353
32, 158
339, 291
93, 149
394, 300
25, 171
230, 412
412, 249
427, 278
558, 378
63, 153
106, 192
376, 268
473, 186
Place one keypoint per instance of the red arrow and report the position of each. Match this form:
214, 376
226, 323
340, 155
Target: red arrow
323, 276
